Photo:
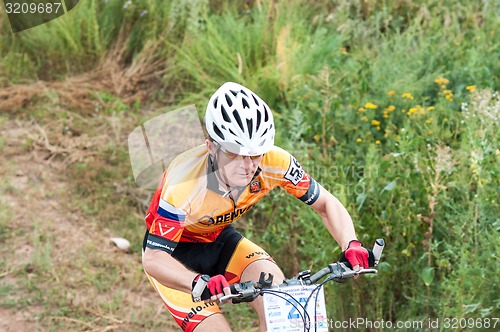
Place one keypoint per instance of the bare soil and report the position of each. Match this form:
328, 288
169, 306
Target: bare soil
54, 260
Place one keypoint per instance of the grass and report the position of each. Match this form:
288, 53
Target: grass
389, 104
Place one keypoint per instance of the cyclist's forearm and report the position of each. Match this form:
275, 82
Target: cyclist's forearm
336, 218
167, 270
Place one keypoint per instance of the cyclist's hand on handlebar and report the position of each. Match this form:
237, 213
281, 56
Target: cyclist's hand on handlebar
357, 257
214, 287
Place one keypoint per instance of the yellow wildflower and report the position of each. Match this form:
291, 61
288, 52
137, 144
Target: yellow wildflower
412, 110
386, 115
445, 120
407, 95
364, 118
390, 108
359, 140
378, 128
371, 106
430, 108
361, 110
447, 92
441, 80
391, 93
429, 120
471, 88
443, 86
375, 123
377, 142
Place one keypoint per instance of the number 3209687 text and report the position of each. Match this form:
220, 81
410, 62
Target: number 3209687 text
32, 8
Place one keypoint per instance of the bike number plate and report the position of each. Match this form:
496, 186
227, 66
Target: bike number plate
281, 315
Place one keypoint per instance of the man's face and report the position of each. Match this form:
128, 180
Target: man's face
236, 170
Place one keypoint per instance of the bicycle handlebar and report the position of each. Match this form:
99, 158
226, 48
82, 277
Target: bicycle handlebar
247, 291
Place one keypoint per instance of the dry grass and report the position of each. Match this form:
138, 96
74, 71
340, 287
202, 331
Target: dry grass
129, 82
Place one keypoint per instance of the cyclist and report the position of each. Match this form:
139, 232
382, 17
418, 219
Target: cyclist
190, 240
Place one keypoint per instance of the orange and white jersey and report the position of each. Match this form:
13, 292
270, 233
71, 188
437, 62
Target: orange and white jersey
190, 205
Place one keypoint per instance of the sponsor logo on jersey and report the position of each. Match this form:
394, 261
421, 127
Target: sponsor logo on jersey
207, 220
226, 218
256, 253
164, 229
255, 186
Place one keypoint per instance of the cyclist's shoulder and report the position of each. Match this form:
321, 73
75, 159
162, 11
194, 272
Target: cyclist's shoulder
185, 172
278, 157
188, 164
276, 154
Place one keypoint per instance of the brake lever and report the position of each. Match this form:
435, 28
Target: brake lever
229, 297
365, 271
340, 272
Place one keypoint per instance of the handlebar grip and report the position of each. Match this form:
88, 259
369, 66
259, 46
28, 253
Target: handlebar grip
200, 290
377, 250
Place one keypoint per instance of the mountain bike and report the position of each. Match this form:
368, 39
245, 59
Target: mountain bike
287, 305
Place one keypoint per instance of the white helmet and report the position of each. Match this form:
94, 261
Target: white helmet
240, 121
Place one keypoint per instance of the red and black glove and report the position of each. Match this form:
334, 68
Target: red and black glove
206, 286
356, 254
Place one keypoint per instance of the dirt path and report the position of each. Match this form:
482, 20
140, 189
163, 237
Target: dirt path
54, 262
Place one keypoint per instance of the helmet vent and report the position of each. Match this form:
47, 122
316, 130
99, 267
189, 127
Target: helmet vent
255, 100
238, 143
264, 133
262, 143
233, 92
218, 132
259, 116
243, 92
238, 120
250, 127
228, 99
266, 114
215, 102
245, 103
225, 116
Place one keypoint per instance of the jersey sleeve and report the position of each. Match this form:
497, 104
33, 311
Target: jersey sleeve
165, 222
295, 180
